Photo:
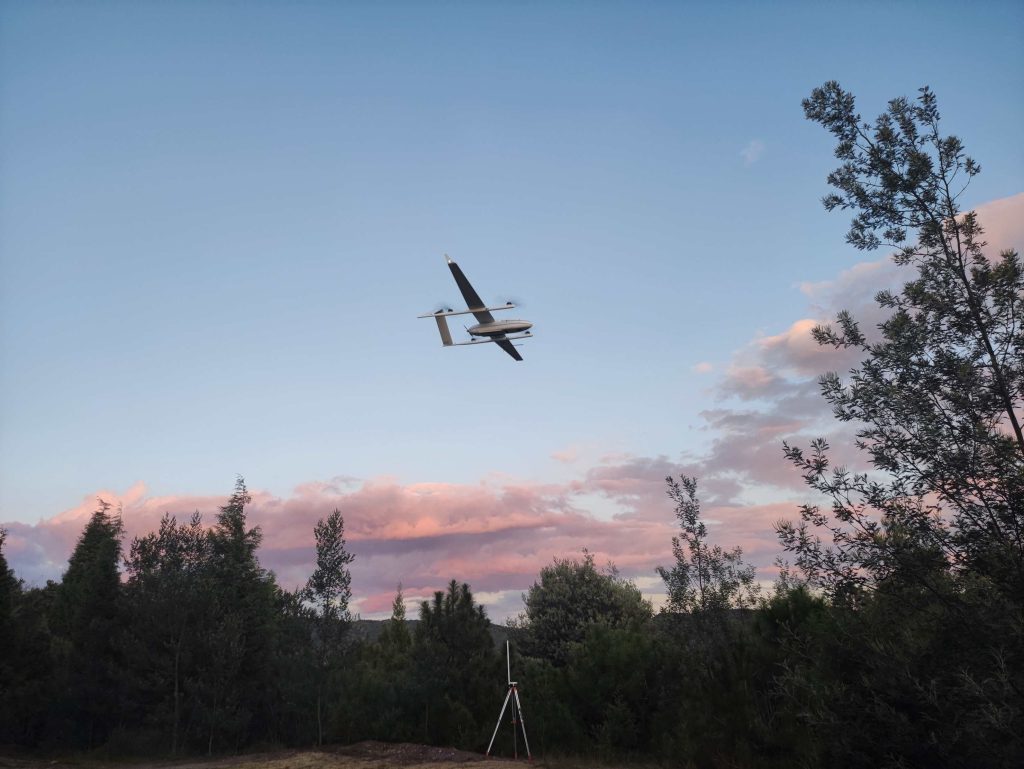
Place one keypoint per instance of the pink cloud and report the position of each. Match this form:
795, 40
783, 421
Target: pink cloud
752, 381
566, 456
775, 376
499, 533
497, 537
796, 351
1003, 222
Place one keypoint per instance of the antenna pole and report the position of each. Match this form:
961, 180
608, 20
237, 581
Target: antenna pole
512, 696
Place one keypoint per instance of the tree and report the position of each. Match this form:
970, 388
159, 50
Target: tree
236, 689
395, 635
939, 396
169, 605
710, 679
10, 597
458, 671
571, 596
329, 590
10, 592
383, 701
89, 622
705, 577
922, 557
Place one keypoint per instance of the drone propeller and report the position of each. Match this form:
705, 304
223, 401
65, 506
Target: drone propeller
442, 307
510, 300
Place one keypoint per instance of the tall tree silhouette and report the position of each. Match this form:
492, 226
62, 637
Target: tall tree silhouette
923, 556
459, 672
89, 623
169, 605
329, 590
939, 397
238, 687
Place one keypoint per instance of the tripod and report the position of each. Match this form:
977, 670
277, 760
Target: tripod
517, 711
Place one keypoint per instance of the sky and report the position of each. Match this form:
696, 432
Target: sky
219, 221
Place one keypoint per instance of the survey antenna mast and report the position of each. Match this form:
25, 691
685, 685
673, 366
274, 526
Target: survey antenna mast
517, 712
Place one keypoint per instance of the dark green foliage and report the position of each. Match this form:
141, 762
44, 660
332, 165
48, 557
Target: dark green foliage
25, 664
328, 590
611, 686
570, 597
236, 692
922, 660
169, 596
383, 676
395, 638
459, 673
10, 596
938, 397
88, 626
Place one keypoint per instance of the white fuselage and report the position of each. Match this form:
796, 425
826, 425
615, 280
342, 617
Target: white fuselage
499, 327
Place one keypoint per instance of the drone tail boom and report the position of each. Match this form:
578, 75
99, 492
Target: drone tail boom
442, 329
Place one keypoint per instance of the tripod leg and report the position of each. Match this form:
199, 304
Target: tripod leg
515, 733
522, 722
500, 716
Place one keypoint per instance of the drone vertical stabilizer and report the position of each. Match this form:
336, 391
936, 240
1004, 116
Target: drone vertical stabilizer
442, 328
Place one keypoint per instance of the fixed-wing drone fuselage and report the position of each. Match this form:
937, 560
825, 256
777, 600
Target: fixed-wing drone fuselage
487, 329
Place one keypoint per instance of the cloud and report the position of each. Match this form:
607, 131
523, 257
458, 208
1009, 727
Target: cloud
1003, 222
749, 382
769, 393
566, 456
496, 536
703, 368
752, 152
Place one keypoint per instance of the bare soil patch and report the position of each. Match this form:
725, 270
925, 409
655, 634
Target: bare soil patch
362, 755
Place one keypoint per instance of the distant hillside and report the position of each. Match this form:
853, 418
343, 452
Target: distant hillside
370, 630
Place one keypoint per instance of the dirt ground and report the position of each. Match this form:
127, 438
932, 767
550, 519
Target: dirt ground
363, 755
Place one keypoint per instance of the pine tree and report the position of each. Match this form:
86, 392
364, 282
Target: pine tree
10, 597
395, 636
169, 605
459, 672
237, 689
90, 622
10, 592
329, 590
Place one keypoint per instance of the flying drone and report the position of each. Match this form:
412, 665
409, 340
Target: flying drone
487, 329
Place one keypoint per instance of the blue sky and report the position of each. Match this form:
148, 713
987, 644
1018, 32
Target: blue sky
218, 222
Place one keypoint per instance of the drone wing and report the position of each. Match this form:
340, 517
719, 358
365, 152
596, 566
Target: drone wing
473, 302
508, 347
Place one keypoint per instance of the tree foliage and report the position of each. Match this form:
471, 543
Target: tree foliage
459, 671
88, 625
165, 572
329, 590
922, 557
705, 577
939, 395
571, 596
